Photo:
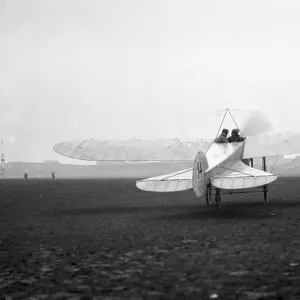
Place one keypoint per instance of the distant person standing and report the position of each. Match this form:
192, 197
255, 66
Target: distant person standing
53, 175
222, 138
25, 175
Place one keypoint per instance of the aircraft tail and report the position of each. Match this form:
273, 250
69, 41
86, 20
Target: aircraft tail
200, 179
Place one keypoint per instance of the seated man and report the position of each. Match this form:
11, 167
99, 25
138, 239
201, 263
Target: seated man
235, 137
222, 138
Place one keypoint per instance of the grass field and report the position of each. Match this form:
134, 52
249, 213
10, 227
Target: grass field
105, 239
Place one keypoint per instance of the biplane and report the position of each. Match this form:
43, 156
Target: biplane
219, 168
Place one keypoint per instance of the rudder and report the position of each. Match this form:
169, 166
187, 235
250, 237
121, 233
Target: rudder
200, 179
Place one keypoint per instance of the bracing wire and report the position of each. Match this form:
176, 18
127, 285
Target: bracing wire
237, 171
296, 167
218, 129
222, 122
234, 120
274, 163
212, 112
243, 111
226, 110
185, 171
289, 169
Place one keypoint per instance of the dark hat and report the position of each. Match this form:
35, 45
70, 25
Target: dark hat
235, 131
225, 130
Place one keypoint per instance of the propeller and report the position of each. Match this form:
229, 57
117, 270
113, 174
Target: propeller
255, 124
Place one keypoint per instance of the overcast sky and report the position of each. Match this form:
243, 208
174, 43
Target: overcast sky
72, 69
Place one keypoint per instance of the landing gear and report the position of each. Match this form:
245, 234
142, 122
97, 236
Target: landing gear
208, 194
218, 198
264, 167
266, 193
210, 189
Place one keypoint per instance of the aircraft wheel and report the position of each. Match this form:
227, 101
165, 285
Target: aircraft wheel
208, 194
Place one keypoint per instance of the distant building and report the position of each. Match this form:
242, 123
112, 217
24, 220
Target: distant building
51, 162
291, 155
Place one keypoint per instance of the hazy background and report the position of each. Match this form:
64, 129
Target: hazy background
73, 69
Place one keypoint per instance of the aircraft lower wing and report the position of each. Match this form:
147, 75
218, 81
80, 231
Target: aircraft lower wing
174, 182
272, 145
132, 149
241, 176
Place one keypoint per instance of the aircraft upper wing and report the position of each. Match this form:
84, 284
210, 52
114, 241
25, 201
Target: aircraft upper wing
132, 149
178, 181
271, 145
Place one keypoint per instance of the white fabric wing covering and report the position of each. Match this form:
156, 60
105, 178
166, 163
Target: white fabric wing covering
173, 182
272, 145
132, 150
241, 176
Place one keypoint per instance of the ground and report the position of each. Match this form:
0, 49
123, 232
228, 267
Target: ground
105, 239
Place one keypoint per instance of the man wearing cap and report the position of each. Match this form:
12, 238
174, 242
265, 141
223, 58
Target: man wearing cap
222, 138
235, 137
